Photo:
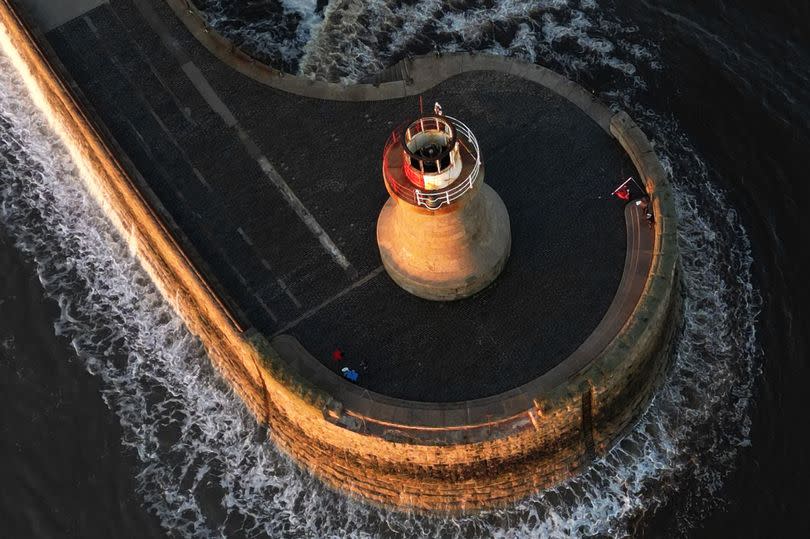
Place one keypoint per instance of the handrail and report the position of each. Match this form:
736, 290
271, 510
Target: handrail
435, 199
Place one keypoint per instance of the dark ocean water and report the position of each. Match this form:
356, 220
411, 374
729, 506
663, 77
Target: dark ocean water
115, 425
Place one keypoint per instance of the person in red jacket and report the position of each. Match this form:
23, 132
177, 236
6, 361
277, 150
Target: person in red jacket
337, 354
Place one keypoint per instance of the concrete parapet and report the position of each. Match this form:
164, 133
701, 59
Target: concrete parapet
453, 458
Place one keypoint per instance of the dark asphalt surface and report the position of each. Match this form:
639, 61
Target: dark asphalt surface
553, 167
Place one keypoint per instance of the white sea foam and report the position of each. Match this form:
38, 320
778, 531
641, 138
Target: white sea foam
279, 39
354, 39
205, 469
358, 39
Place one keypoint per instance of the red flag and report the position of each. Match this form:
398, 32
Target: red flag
623, 193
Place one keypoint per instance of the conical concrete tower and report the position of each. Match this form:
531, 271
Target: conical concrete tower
444, 234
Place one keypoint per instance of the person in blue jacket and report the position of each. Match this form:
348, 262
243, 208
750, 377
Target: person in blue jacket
350, 374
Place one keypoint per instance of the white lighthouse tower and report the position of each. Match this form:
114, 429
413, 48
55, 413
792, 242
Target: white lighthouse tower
443, 234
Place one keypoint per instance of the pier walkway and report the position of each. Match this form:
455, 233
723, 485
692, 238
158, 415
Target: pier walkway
277, 195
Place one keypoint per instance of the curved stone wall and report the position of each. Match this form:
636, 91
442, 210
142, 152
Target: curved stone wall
464, 463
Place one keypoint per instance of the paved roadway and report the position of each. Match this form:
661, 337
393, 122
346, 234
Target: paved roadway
279, 194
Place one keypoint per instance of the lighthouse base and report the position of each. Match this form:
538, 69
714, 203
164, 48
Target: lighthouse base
447, 254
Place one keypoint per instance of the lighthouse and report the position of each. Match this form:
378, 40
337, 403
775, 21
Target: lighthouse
443, 234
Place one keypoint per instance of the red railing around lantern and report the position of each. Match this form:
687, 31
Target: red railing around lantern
435, 199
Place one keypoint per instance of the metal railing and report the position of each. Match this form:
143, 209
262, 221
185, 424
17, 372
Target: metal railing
435, 199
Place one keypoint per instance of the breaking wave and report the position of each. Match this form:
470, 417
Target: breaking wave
355, 39
274, 31
205, 467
